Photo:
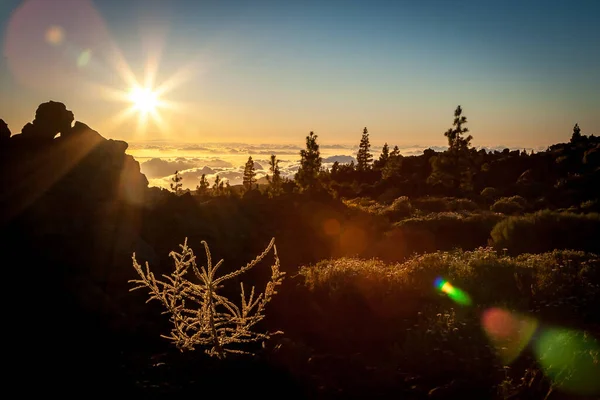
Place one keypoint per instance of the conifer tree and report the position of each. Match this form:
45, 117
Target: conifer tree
364, 157
228, 190
335, 168
455, 135
310, 164
202, 188
454, 169
249, 178
576, 134
218, 185
392, 168
383, 157
275, 178
176, 185
395, 152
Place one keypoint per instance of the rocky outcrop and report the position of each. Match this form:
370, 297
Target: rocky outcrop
4, 132
71, 204
79, 165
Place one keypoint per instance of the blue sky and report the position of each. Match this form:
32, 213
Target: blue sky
270, 71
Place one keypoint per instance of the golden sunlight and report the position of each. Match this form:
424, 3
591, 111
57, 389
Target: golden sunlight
144, 99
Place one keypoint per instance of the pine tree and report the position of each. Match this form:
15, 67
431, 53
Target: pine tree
456, 139
310, 164
202, 188
364, 157
218, 185
395, 152
249, 175
454, 169
275, 178
228, 190
576, 134
393, 166
335, 168
383, 157
176, 185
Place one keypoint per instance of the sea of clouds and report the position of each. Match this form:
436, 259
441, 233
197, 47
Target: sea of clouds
159, 160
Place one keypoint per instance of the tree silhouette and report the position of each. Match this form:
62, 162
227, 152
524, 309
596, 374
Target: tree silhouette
310, 164
218, 185
275, 178
576, 134
393, 166
383, 158
249, 178
202, 188
364, 157
176, 185
455, 135
454, 169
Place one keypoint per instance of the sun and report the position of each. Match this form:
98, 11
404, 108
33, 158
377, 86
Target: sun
144, 99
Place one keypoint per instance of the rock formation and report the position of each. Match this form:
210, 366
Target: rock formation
79, 162
71, 203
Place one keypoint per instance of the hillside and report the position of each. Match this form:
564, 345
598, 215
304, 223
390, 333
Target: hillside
454, 274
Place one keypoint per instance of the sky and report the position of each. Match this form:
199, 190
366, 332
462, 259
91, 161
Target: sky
261, 72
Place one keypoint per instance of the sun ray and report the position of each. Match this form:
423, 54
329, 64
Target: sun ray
145, 95
177, 79
117, 120
160, 122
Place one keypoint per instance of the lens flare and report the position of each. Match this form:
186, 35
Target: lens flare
84, 58
509, 332
457, 295
55, 35
571, 359
332, 227
353, 240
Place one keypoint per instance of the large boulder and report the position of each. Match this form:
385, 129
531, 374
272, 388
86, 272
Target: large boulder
79, 168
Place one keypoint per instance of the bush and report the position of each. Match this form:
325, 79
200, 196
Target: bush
441, 204
431, 204
389, 195
487, 275
209, 319
400, 208
462, 205
547, 230
451, 230
509, 205
490, 194
394, 312
437, 231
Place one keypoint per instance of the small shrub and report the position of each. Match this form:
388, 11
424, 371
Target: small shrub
431, 204
400, 208
462, 205
490, 194
546, 230
509, 205
444, 231
389, 195
201, 316
442, 204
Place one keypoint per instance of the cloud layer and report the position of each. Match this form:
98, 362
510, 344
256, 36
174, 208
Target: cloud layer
159, 161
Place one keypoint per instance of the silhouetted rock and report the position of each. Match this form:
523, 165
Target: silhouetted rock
4, 131
51, 118
79, 166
